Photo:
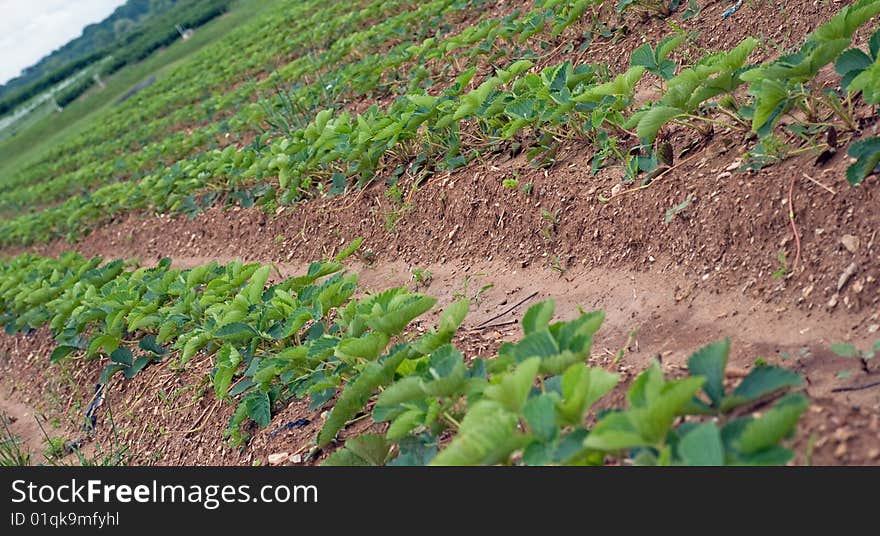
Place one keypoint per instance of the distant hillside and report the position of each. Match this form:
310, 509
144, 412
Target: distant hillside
94, 38
129, 34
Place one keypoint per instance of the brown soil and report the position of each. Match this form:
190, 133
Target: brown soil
728, 238
21, 422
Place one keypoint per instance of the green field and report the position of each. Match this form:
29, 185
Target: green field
55, 128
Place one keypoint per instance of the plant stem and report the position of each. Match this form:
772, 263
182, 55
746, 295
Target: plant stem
735, 117
452, 421
819, 147
724, 124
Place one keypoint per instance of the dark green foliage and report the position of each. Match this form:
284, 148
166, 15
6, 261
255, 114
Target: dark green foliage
532, 399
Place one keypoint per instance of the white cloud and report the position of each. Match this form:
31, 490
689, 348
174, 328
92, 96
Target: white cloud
31, 29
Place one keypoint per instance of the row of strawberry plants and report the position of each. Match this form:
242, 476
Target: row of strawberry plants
349, 80
223, 170
861, 72
357, 78
529, 406
104, 198
133, 145
342, 146
693, 96
97, 309
307, 337
778, 88
91, 158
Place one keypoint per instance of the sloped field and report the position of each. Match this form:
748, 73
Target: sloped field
584, 232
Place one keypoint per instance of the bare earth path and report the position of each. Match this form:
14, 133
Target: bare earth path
20, 418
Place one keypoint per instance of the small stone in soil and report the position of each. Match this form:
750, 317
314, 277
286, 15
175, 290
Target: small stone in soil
832, 303
278, 458
843, 434
850, 242
847, 275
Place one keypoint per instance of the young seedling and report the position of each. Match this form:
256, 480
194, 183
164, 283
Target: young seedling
399, 207
783, 269
552, 219
630, 339
421, 277
672, 212
845, 349
13, 452
477, 297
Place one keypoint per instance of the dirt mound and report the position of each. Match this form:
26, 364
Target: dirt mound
734, 234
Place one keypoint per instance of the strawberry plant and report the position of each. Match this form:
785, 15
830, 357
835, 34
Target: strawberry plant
123, 360
715, 75
850, 350
531, 404
861, 73
661, 8
656, 61
779, 86
730, 437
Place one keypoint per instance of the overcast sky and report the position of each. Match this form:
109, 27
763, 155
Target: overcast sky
31, 29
